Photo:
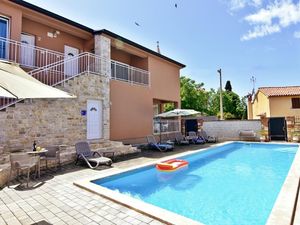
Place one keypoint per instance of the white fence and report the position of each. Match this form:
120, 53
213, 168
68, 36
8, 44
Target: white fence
229, 129
165, 126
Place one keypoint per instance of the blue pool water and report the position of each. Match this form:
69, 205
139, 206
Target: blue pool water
234, 184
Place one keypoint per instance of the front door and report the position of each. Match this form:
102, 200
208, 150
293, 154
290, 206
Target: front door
94, 119
277, 128
3, 36
27, 50
71, 61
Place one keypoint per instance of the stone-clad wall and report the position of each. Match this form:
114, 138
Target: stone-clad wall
54, 121
228, 130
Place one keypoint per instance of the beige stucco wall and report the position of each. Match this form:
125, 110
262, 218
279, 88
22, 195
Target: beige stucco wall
132, 105
282, 106
260, 105
165, 82
56, 121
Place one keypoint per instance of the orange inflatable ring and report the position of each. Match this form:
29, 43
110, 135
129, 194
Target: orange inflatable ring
171, 165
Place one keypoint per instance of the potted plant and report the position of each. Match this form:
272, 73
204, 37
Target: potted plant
295, 136
264, 135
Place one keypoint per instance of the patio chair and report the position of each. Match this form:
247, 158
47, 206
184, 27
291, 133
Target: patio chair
53, 154
180, 139
22, 162
84, 153
208, 139
195, 139
152, 143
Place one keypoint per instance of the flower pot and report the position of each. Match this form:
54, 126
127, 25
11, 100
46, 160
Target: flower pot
296, 139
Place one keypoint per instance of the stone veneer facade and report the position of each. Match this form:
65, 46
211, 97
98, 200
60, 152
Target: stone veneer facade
53, 121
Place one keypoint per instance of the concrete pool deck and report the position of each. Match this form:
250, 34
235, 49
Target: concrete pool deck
56, 200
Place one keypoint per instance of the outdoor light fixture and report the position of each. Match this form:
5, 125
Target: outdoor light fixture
53, 34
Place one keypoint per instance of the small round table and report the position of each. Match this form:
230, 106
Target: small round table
38, 153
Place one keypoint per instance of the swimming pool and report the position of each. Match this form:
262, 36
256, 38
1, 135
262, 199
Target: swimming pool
235, 183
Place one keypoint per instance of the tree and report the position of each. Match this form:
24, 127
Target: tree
228, 86
193, 95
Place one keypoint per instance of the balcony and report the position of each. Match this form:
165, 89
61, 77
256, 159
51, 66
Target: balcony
28, 56
123, 72
51, 67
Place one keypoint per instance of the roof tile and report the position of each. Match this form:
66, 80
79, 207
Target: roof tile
280, 91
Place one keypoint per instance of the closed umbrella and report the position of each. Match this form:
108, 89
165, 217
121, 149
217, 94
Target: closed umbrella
175, 113
21, 85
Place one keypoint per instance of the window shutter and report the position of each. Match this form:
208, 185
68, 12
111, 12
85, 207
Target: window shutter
295, 103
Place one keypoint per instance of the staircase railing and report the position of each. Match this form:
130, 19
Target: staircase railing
59, 72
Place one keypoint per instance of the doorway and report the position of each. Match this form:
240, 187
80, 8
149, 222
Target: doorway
94, 119
277, 128
71, 62
27, 56
191, 125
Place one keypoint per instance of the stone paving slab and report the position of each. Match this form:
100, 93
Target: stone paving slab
57, 201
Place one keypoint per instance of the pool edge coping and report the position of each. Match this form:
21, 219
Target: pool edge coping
283, 210
169, 217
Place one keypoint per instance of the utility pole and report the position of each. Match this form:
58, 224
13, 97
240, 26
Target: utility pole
221, 98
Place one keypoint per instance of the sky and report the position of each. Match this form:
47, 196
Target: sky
244, 38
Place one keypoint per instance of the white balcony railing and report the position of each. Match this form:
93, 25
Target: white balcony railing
26, 55
127, 73
165, 126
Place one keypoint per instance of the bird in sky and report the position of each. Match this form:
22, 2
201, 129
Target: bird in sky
175, 5
137, 24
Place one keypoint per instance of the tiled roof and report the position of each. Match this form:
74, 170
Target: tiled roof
280, 91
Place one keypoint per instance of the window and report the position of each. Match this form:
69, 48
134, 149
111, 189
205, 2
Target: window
296, 103
3, 34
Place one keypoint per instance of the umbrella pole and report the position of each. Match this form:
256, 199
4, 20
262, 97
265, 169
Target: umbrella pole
159, 130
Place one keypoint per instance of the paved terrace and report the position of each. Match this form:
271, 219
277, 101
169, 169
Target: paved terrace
55, 199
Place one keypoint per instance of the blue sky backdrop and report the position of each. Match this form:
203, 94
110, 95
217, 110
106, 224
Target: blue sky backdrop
245, 38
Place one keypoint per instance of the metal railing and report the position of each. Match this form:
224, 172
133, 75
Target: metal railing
127, 73
165, 126
53, 68
69, 68
27, 55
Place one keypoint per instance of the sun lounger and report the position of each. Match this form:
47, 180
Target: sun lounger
152, 143
247, 135
208, 139
180, 139
195, 139
84, 153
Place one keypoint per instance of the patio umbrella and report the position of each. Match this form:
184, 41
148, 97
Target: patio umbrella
178, 112
175, 113
19, 84
5, 93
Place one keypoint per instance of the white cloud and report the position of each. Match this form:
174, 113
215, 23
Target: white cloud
277, 15
240, 4
297, 34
